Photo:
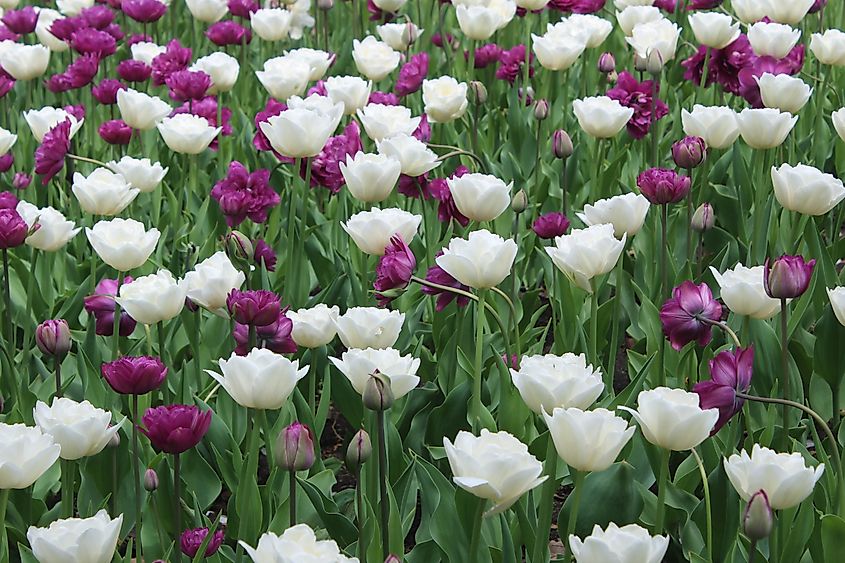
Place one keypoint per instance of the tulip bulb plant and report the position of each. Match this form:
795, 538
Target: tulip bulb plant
394, 280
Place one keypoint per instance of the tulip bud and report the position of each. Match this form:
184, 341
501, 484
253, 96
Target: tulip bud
703, 219
410, 34
654, 63
360, 449
21, 180
612, 77
150, 480
607, 63
295, 448
639, 63
757, 521
689, 152
114, 441
325, 5
561, 144
519, 202
541, 110
479, 92
378, 396
392, 559
239, 248
787, 277
53, 338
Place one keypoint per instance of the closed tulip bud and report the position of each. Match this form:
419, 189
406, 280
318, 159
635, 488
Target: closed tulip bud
295, 448
392, 559
607, 63
115, 441
689, 152
239, 247
479, 92
150, 480
325, 5
654, 63
757, 521
541, 110
378, 395
53, 338
787, 277
562, 144
519, 202
703, 219
360, 449
639, 63
410, 34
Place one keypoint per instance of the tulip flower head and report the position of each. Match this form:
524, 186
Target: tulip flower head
787, 277
295, 447
730, 372
175, 429
13, 229
757, 518
80, 429
256, 307
550, 225
661, 186
92, 540
191, 540
53, 338
50, 154
26, 453
134, 375
689, 152
688, 316
627, 543
394, 270
673, 419
360, 449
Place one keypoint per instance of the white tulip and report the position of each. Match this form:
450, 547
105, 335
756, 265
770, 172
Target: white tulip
26, 453
786, 478
480, 20
302, 132
25, 62
672, 418
314, 327
836, 296
743, 292
445, 99
76, 540
80, 429
713, 29
46, 17
596, 29
414, 156
54, 230
302, 17
357, 365
548, 382
791, 12
482, 260
222, 68
369, 327
717, 125
271, 24
73, 7
381, 121
154, 298
146, 51
806, 189
210, 282
141, 111
40, 121
628, 544
749, 11
783, 92
660, 36
625, 212
296, 545
372, 230
284, 77
318, 61
588, 440
632, 16
185, 133
772, 39
7, 140
370, 177
829, 47
260, 380
532, 5
601, 117
391, 6
123, 244
584, 254
351, 91
103, 192
838, 118
494, 466
399, 35
141, 173
765, 128
373, 58
208, 11
480, 197
623, 4
558, 52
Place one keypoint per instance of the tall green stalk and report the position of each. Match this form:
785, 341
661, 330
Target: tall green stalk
115, 343
544, 518
578, 487
475, 538
477, 404
67, 488
384, 501
594, 334
660, 518
136, 469
784, 363
4, 539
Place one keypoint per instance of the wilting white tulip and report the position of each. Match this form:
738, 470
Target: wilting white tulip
141, 173
211, 281
271, 24
601, 117
772, 39
743, 292
480, 197
765, 128
445, 99
54, 230
369, 327
123, 244
314, 327
783, 92
373, 58
357, 365
806, 189
588, 440
40, 121
154, 298
785, 477
141, 111
370, 177
625, 212
298, 543
372, 230
628, 544
494, 466
713, 29
222, 68
381, 121
482, 260
80, 429
260, 380
26, 453
208, 11
829, 47
302, 132
717, 125
414, 156
284, 77
103, 192
76, 540
25, 62
584, 254
672, 418
547, 382
351, 91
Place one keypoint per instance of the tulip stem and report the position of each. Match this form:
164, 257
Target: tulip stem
177, 499
660, 518
7, 306
514, 320
704, 71
578, 487
706, 485
614, 328
475, 538
724, 326
292, 496
58, 372
544, 519
88, 160
594, 334
67, 488
115, 343
359, 514
784, 362
384, 501
479, 357
4, 539
136, 470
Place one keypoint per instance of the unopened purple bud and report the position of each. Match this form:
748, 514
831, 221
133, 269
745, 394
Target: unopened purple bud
562, 144
787, 277
150, 480
703, 219
689, 152
21, 181
607, 63
757, 520
295, 448
53, 338
541, 110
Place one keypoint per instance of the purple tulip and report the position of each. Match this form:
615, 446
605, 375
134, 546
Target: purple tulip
6, 161
83, 70
88, 40
188, 85
487, 55
689, 152
8, 200
21, 21
13, 229
175, 429
577, 6
275, 337
297, 448
242, 194
661, 185
511, 62
730, 373
640, 97
817, 5
6, 83
227, 33
98, 17
607, 63
134, 375
264, 254
325, 167
58, 83
688, 315
50, 154
446, 209
64, 28
21, 181
242, 8
253, 307
191, 540
412, 74
132, 70
787, 277
101, 304
551, 225
143, 11
423, 131
438, 275
115, 132
271, 109
106, 91
175, 58
138, 38
78, 111
384, 98
394, 269
53, 338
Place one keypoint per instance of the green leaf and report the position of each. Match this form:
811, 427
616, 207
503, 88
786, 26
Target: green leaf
833, 537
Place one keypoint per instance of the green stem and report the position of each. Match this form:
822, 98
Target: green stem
359, 508
578, 487
752, 551
88, 160
292, 496
115, 343
7, 306
707, 506
67, 488
136, 469
514, 320
526, 75
268, 437
58, 373
479, 356
659, 521
544, 519
470, 59
384, 501
177, 500
614, 327
594, 334
703, 82
724, 326
475, 538
784, 363
4, 539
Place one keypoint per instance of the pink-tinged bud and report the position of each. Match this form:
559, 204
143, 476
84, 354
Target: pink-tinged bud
478, 91
689, 152
378, 395
639, 63
53, 338
607, 63
325, 5
392, 559
703, 219
150, 480
562, 144
295, 448
21, 181
757, 520
114, 441
787, 277
541, 110
360, 449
